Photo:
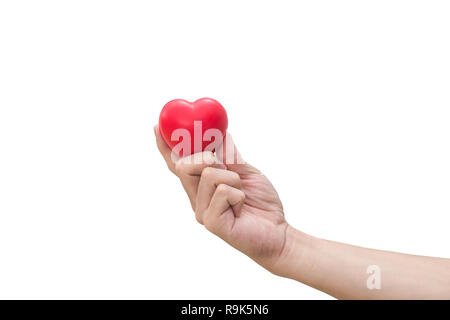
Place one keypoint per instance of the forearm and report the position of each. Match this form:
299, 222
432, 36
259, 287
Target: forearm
341, 270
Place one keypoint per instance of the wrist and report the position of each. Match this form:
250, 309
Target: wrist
297, 257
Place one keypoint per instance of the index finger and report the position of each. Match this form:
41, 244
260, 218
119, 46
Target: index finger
164, 149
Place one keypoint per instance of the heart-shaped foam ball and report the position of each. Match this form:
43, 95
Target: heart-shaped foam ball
191, 127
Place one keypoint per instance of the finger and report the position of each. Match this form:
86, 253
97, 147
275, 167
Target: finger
190, 184
228, 154
209, 180
164, 149
194, 164
218, 218
189, 169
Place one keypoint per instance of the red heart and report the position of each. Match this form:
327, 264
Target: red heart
180, 118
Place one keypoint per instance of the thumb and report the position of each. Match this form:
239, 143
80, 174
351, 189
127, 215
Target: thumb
229, 155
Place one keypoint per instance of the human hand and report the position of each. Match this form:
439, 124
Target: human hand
235, 201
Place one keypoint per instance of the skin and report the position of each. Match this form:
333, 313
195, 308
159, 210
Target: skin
236, 202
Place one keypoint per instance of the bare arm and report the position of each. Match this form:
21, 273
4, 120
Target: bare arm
238, 203
349, 272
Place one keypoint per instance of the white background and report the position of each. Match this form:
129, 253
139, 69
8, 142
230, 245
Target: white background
344, 105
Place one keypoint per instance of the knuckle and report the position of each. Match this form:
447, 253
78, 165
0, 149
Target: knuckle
222, 189
198, 217
236, 178
182, 167
208, 173
209, 225
179, 168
